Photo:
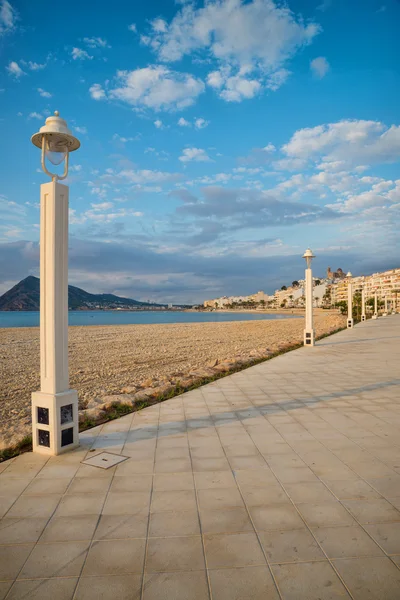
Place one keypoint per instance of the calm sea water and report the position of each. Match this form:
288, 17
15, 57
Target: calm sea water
98, 317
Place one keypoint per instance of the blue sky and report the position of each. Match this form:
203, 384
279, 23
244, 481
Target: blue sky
219, 140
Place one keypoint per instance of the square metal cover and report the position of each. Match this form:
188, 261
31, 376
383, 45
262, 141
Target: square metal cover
104, 460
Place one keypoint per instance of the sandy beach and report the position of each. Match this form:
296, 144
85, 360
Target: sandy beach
106, 359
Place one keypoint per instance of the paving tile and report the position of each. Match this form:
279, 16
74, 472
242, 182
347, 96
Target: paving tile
243, 583
342, 542
34, 506
55, 560
80, 504
175, 465
175, 554
387, 535
4, 587
88, 485
174, 500
176, 586
44, 589
232, 520
387, 486
326, 514
356, 489
173, 481
290, 546
308, 492
215, 499
39, 487
88, 471
275, 517
115, 557
20, 531
131, 467
214, 479
373, 511
12, 559
174, 523
122, 526
232, 550
70, 529
309, 581
126, 503
210, 464
261, 496
248, 462
255, 477
295, 475
111, 587
12, 486
5, 504
370, 578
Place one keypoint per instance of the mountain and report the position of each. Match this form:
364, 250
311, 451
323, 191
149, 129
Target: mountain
26, 294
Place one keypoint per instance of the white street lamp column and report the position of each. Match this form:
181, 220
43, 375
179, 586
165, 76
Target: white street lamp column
350, 321
386, 307
309, 333
375, 315
55, 406
363, 315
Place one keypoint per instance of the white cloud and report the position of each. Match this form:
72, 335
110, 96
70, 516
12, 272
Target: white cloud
201, 123
319, 66
158, 123
97, 92
96, 42
79, 54
123, 140
269, 148
159, 26
43, 93
15, 70
75, 168
194, 154
102, 205
183, 123
257, 35
145, 176
8, 17
234, 88
35, 115
157, 87
82, 130
289, 164
34, 66
350, 141
132, 27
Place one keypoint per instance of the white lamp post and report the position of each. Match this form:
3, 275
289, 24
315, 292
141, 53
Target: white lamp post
363, 315
386, 307
375, 315
55, 406
309, 333
350, 321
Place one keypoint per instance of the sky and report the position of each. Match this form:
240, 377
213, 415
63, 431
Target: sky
219, 140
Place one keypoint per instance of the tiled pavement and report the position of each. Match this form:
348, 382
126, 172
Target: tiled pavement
281, 481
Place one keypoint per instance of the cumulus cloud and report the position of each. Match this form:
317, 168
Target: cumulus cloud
96, 42
132, 27
194, 154
15, 70
43, 93
257, 36
158, 123
201, 123
97, 92
351, 141
183, 123
8, 17
155, 87
79, 54
319, 66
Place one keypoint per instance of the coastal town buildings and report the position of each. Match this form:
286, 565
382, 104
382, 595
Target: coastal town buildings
328, 291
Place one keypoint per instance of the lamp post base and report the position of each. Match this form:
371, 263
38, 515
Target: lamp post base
363, 318
374, 317
309, 337
55, 422
350, 323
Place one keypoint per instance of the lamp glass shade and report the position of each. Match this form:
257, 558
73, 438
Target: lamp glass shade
56, 149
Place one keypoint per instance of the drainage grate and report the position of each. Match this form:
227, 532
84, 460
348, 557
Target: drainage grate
105, 460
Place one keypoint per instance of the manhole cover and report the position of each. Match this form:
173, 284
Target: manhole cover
105, 460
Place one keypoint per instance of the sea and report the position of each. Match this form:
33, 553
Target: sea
100, 317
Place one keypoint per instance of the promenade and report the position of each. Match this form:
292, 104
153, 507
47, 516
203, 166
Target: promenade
281, 481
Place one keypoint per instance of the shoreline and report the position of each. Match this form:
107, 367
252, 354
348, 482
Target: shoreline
105, 360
